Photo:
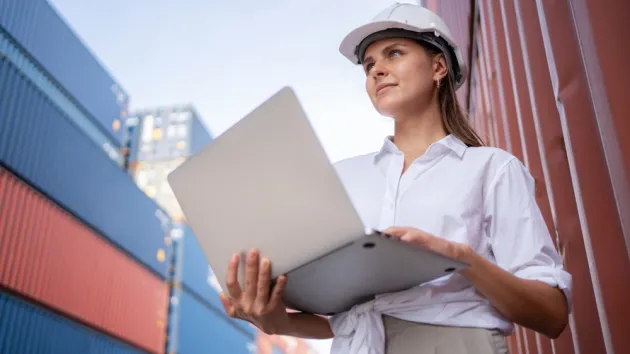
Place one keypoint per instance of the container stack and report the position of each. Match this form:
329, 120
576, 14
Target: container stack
163, 138
83, 252
196, 280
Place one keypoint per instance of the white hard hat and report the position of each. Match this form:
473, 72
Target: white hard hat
410, 21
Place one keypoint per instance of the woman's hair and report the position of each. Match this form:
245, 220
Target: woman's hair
454, 118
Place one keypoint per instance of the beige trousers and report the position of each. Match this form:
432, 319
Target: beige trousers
403, 337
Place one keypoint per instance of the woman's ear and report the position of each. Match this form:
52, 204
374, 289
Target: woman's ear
440, 68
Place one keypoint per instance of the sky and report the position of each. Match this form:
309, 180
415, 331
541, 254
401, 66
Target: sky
227, 57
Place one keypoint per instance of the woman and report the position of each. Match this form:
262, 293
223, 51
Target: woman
433, 184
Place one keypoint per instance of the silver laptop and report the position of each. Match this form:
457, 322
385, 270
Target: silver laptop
267, 183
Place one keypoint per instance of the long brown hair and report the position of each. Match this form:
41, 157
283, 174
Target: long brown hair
454, 117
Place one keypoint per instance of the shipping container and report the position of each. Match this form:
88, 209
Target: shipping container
28, 328
547, 82
14, 52
40, 144
202, 329
49, 256
193, 274
48, 39
192, 268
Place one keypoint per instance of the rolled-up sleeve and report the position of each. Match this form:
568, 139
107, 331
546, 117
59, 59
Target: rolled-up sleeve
518, 234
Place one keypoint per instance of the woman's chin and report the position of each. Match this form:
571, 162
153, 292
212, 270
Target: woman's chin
388, 110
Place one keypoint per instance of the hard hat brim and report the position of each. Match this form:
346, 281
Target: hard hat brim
350, 43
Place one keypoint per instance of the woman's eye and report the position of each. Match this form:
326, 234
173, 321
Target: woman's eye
368, 67
395, 52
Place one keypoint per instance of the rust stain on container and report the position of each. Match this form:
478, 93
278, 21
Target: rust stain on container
50, 257
547, 83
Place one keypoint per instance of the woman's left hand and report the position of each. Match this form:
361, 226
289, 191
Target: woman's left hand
436, 244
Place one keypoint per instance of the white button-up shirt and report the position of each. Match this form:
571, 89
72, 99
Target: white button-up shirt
479, 196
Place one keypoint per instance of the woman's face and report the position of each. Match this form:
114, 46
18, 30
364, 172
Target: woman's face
400, 76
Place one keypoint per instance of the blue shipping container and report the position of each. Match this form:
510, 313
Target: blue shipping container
40, 145
26, 328
37, 26
194, 273
202, 330
193, 268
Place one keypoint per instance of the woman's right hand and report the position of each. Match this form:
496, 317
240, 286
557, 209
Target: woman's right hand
256, 303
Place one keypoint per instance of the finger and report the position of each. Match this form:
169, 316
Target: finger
278, 291
423, 239
227, 304
264, 278
251, 277
231, 280
396, 231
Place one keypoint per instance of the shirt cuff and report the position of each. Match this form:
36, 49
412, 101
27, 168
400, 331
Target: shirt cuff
555, 277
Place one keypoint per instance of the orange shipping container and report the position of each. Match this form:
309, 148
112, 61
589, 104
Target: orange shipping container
49, 256
547, 83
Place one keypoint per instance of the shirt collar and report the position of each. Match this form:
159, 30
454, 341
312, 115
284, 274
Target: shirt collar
451, 142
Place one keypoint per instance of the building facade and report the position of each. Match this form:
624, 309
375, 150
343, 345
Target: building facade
161, 139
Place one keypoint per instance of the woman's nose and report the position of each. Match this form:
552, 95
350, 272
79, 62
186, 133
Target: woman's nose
379, 70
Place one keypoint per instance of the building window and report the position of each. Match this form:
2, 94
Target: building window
183, 117
157, 134
147, 128
182, 131
171, 131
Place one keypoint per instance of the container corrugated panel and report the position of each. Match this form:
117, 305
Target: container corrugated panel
44, 148
37, 26
547, 86
459, 15
28, 328
49, 256
195, 273
202, 330
194, 270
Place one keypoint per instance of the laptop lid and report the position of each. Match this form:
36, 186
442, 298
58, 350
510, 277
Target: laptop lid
266, 183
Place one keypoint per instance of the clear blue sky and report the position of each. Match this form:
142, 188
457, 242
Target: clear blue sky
226, 57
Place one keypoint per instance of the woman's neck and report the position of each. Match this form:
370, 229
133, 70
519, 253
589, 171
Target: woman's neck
413, 134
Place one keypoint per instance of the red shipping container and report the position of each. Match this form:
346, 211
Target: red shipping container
49, 256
